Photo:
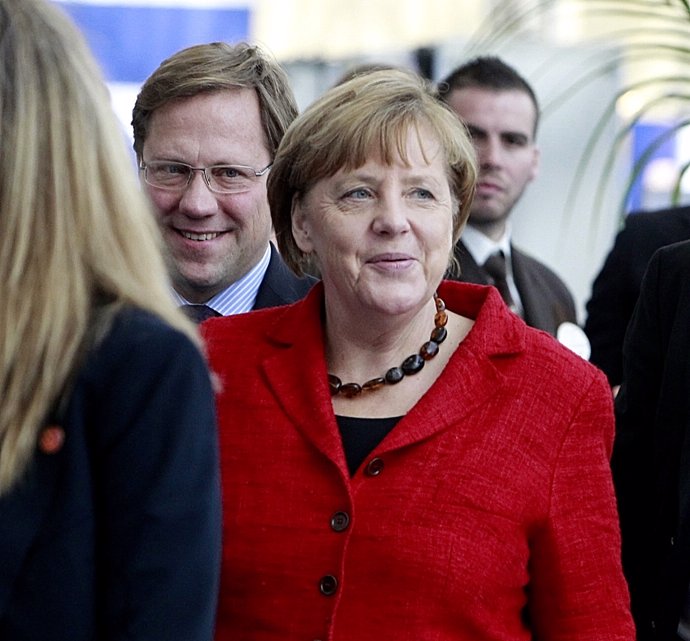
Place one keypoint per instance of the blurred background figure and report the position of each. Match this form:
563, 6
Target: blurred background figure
617, 286
501, 113
109, 497
651, 458
207, 124
366, 67
439, 470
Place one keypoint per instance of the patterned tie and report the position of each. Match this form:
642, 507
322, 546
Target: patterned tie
199, 313
495, 266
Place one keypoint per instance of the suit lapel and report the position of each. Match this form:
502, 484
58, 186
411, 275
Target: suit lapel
532, 302
534, 312
476, 382
470, 371
280, 286
470, 272
306, 400
542, 310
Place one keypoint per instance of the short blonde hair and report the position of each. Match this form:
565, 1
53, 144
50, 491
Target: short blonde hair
369, 114
213, 67
75, 228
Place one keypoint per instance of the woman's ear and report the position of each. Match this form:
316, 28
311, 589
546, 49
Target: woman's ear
300, 225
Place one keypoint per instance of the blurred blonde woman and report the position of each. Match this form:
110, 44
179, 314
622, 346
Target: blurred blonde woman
109, 503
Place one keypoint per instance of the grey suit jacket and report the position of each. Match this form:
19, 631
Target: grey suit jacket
546, 300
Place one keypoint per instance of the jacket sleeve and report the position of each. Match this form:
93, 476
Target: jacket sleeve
632, 463
577, 586
158, 490
614, 293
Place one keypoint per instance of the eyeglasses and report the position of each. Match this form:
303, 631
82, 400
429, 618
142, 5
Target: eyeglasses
221, 179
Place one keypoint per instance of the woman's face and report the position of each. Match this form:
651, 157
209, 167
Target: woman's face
382, 233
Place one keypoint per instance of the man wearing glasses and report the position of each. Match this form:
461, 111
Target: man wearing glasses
206, 125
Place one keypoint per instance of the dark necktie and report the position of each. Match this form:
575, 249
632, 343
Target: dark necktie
495, 266
199, 313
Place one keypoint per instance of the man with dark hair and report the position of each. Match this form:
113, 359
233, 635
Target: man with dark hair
501, 112
207, 124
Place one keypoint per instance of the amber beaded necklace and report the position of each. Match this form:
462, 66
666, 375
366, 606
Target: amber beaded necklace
411, 365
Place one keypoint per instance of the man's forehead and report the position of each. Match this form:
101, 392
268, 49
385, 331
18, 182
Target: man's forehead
506, 111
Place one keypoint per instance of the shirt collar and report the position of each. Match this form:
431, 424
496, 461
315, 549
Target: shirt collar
481, 246
241, 295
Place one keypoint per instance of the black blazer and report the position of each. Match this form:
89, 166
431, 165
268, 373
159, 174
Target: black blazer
281, 286
546, 300
651, 456
617, 286
116, 535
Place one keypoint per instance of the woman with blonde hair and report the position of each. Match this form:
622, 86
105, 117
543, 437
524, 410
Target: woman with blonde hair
109, 502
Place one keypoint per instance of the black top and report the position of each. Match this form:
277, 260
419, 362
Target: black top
361, 435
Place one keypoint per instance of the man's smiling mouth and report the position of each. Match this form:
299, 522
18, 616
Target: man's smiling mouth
200, 237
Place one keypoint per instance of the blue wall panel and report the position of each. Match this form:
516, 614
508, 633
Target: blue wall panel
130, 42
647, 136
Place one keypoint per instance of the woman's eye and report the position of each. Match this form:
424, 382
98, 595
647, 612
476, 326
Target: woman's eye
359, 193
423, 194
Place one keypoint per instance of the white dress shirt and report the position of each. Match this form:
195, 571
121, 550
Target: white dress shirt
481, 247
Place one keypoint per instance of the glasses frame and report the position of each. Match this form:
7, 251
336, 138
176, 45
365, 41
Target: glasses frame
143, 167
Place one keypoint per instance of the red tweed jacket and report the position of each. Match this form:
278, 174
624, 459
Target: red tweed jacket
487, 514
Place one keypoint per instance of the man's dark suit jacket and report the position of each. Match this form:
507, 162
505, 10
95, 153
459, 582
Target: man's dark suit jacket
281, 286
651, 455
616, 288
545, 298
116, 534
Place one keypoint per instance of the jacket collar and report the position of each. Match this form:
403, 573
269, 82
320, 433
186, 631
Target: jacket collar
470, 374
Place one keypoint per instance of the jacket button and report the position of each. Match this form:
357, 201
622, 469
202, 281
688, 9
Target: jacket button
374, 467
328, 585
340, 521
51, 439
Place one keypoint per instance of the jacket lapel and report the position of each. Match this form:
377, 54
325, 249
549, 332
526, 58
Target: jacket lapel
280, 286
296, 373
470, 272
306, 399
532, 301
470, 373
542, 309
